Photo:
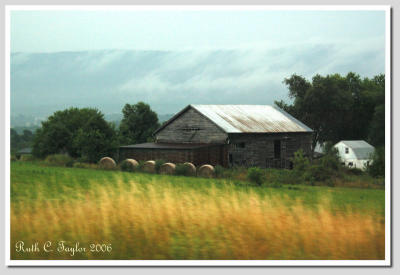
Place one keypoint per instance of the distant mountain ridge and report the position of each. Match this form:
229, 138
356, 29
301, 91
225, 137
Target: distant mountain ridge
42, 83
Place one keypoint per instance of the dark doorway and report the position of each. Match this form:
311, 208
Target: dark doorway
277, 149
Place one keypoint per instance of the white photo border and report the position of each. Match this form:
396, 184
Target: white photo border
197, 263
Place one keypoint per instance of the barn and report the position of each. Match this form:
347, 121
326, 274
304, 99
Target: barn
355, 153
227, 135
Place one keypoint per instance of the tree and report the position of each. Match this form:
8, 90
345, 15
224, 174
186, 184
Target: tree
138, 124
19, 142
338, 107
80, 133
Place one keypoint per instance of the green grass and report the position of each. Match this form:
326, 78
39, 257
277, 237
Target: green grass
147, 216
28, 179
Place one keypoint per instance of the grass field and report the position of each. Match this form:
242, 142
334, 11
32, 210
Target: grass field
117, 215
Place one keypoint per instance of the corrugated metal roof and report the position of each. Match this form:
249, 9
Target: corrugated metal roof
251, 118
169, 146
361, 148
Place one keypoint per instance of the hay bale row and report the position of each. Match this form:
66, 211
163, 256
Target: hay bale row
191, 169
167, 168
149, 166
107, 163
206, 170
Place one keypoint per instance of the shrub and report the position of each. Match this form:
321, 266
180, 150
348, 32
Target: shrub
181, 170
290, 177
27, 158
70, 163
256, 175
331, 159
353, 171
185, 169
127, 166
377, 167
59, 160
219, 171
13, 158
276, 185
317, 173
300, 162
158, 164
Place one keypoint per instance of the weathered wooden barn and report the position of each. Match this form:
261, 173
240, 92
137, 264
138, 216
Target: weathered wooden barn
227, 135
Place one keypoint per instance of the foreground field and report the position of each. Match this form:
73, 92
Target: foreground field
116, 215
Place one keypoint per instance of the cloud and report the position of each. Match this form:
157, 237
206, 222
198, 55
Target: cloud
169, 80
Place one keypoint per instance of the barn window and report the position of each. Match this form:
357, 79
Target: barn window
239, 145
350, 164
190, 129
346, 150
277, 149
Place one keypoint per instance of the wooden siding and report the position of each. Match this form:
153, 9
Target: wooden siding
258, 149
191, 127
214, 155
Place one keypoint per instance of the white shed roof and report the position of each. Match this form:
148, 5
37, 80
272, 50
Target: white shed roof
361, 148
251, 118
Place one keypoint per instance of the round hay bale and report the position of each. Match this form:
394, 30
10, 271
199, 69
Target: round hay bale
190, 169
107, 163
129, 165
149, 166
167, 168
133, 162
206, 171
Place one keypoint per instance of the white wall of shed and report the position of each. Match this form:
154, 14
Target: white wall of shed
350, 157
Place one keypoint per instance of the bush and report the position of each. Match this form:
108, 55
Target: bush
59, 159
377, 167
276, 185
158, 164
300, 162
256, 175
353, 171
182, 170
331, 159
317, 173
290, 177
27, 158
70, 163
13, 158
219, 171
127, 166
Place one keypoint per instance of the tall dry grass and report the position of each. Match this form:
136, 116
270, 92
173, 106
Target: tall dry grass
158, 221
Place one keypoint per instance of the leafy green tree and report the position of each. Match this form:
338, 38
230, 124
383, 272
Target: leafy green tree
14, 139
138, 124
377, 167
338, 107
80, 133
19, 142
376, 133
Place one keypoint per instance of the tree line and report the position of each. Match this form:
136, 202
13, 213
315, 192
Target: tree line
336, 107
339, 107
20, 141
85, 134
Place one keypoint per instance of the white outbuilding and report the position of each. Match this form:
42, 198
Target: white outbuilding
355, 153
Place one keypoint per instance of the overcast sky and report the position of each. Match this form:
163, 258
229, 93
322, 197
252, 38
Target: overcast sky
209, 57
51, 31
